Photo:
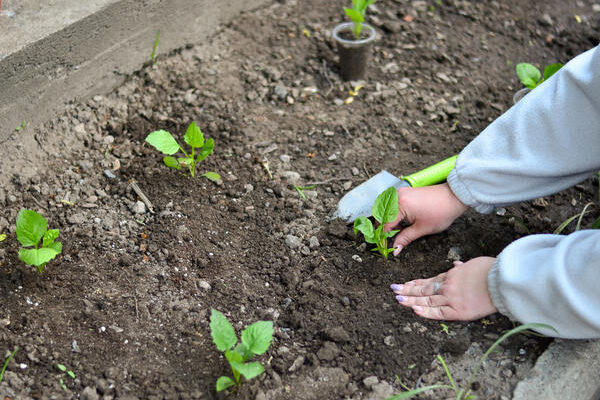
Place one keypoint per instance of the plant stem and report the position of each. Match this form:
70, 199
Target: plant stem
8, 361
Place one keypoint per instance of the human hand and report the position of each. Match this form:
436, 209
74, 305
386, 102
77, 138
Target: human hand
428, 210
461, 294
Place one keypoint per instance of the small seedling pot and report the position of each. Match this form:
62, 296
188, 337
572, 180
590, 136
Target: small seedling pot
354, 54
519, 94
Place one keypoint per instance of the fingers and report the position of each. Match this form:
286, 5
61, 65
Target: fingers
439, 313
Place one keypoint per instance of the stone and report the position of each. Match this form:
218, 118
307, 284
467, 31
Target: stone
89, 393
292, 241
328, 352
138, 207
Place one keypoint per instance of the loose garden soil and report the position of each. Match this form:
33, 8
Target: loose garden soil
126, 305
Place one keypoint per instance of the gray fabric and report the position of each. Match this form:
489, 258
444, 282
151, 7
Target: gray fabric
547, 142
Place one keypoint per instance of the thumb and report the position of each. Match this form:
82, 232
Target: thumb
407, 236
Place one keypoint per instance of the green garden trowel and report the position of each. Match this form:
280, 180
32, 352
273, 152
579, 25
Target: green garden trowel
359, 201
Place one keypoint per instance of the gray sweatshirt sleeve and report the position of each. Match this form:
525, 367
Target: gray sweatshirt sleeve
548, 141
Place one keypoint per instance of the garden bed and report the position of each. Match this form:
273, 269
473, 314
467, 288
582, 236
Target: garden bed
126, 305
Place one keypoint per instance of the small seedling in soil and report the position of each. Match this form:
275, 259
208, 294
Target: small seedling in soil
445, 328
7, 362
465, 392
21, 127
155, 48
531, 77
164, 142
384, 210
3, 237
301, 189
64, 369
256, 340
31, 228
357, 15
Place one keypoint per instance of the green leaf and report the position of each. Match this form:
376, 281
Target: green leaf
364, 225
385, 208
3, 237
528, 74
257, 337
391, 233
235, 356
194, 136
37, 257
207, 150
30, 227
56, 246
221, 330
171, 162
61, 367
49, 237
354, 15
224, 382
163, 141
185, 161
249, 370
213, 176
551, 70
71, 374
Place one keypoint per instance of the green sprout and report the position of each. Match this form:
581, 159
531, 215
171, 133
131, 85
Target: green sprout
31, 228
357, 15
465, 392
2, 237
21, 127
256, 340
384, 210
531, 77
445, 328
7, 362
155, 48
301, 189
164, 142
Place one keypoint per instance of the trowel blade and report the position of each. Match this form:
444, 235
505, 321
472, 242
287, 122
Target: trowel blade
359, 201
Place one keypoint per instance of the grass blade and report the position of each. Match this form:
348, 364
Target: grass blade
7, 362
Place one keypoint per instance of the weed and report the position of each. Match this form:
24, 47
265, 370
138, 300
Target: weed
31, 228
465, 392
155, 49
384, 210
164, 142
531, 77
256, 340
7, 362
21, 127
357, 15
301, 189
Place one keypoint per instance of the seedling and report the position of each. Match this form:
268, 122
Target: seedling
21, 127
256, 340
7, 362
31, 228
357, 15
164, 142
531, 77
155, 48
384, 210
64, 369
445, 328
579, 218
2, 237
465, 392
301, 189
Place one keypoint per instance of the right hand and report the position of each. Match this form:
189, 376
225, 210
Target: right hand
428, 210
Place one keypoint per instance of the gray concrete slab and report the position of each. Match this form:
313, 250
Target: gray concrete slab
568, 369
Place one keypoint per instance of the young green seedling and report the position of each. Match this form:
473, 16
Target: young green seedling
31, 228
384, 210
357, 14
155, 48
301, 189
164, 142
531, 77
21, 127
10, 357
2, 237
64, 369
256, 340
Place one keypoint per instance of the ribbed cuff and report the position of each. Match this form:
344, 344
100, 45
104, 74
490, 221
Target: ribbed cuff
461, 191
494, 288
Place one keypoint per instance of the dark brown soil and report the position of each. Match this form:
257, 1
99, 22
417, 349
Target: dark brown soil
126, 305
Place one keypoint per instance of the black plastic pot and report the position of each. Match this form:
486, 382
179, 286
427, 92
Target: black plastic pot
354, 54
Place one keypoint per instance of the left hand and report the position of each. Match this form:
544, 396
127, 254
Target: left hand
462, 292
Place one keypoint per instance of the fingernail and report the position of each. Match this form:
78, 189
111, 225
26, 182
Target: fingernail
417, 309
396, 288
398, 250
400, 298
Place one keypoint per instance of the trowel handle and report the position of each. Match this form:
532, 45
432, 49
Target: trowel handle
433, 174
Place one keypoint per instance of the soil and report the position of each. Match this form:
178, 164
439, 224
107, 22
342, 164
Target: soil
126, 306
